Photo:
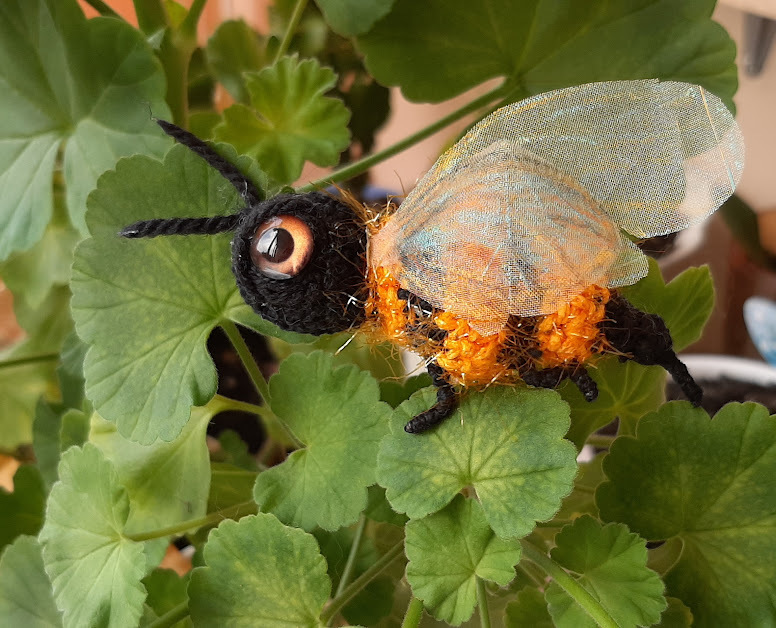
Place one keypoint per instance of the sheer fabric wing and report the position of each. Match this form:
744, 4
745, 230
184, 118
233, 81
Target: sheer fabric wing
657, 156
504, 233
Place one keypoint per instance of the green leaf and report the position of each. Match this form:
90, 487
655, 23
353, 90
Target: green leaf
47, 324
353, 17
581, 500
290, 121
626, 391
441, 48
505, 442
684, 304
233, 49
22, 510
21, 386
166, 590
167, 482
338, 418
25, 591
146, 307
612, 567
84, 85
45, 439
70, 371
448, 551
378, 508
709, 483
370, 104
229, 486
677, 615
259, 573
94, 568
396, 392
528, 609
31, 274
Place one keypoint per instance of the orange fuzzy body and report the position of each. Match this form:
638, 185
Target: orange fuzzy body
569, 336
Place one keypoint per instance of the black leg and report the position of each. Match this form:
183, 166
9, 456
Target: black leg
646, 340
552, 377
447, 402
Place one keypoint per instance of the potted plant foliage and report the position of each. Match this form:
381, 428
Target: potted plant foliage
342, 518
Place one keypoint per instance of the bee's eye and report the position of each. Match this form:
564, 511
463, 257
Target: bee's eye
282, 247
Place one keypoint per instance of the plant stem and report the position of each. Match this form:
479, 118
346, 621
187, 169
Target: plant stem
235, 337
482, 603
359, 583
290, 29
347, 572
362, 165
30, 359
188, 27
575, 590
171, 617
185, 526
227, 403
414, 614
103, 9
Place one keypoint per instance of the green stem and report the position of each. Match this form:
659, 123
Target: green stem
151, 15
185, 526
30, 359
235, 337
171, 617
362, 165
359, 583
575, 590
347, 572
188, 27
538, 583
414, 614
600, 440
227, 403
554, 523
482, 603
290, 29
103, 9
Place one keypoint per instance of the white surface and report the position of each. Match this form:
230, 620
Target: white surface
706, 366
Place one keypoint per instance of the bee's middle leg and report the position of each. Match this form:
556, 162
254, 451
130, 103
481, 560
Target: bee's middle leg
552, 377
447, 402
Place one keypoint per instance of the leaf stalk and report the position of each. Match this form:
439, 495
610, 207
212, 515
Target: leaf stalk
185, 526
414, 614
296, 16
171, 617
482, 603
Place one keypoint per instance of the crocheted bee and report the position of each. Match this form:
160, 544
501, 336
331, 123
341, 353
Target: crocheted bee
503, 263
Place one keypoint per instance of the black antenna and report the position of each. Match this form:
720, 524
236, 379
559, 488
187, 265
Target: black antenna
208, 225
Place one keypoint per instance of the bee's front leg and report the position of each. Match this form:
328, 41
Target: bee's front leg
447, 402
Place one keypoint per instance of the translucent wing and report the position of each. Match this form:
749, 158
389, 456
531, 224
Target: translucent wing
506, 234
524, 210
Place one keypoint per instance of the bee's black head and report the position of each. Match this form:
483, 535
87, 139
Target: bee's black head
299, 261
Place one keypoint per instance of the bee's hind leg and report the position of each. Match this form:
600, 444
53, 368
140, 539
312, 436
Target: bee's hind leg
645, 339
447, 402
552, 378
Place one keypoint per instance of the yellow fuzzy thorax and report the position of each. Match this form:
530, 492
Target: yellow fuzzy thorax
570, 335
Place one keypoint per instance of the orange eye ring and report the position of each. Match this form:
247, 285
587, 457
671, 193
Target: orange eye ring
282, 247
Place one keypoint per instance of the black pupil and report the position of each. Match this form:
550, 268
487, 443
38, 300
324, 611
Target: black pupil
275, 245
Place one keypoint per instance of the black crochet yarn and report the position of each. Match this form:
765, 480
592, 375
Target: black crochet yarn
446, 403
646, 340
327, 296
208, 225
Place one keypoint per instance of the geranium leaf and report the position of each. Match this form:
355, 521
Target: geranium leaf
677, 615
528, 609
448, 551
626, 391
337, 415
353, 17
26, 598
709, 484
259, 573
290, 120
441, 48
505, 442
684, 304
94, 568
612, 566
85, 85
166, 590
581, 500
167, 482
233, 49
148, 306
22, 510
